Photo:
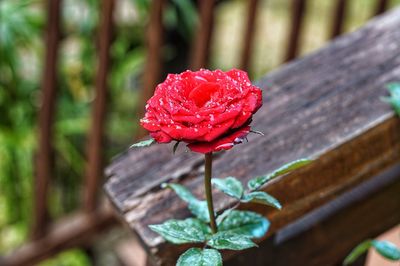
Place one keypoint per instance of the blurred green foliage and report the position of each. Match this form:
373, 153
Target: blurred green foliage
22, 24
74, 257
20, 29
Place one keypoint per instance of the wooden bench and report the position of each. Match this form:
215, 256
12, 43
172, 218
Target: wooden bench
326, 106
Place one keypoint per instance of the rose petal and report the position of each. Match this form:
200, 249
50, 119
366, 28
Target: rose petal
217, 131
225, 116
242, 119
181, 132
150, 125
225, 143
194, 119
160, 137
203, 93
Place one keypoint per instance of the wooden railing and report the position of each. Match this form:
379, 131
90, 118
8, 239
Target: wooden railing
325, 106
95, 216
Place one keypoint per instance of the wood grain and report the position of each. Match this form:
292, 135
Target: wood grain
325, 106
333, 229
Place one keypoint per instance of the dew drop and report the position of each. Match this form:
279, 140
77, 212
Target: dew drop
238, 141
200, 78
226, 145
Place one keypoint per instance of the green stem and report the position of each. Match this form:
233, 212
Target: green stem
207, 187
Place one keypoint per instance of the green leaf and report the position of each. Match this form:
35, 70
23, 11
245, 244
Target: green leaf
394, 89
263, 198
200, 257
230, 186
197, 207
143, 143
357, 252
190, 230
394, 99
221, 217
200, 210
257, 182
245, 223
387, 249
229, 240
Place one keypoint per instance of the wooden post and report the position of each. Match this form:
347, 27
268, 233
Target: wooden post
381, 6
44, 160
297, 15
201, 45
94, 166
154, 60
339, 18
249, 34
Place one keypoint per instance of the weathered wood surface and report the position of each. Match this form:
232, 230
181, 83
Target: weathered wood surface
326, 106
328, 234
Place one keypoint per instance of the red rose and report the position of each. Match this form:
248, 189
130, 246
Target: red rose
209, 110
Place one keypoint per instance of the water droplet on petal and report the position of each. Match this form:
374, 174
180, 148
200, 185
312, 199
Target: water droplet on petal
225, 145
238, 141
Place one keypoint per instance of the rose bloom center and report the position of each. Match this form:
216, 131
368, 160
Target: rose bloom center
203, 93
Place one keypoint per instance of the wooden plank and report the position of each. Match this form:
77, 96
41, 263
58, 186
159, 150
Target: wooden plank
201, 44
326, 106
339, 18
75, 230
296, 25
94, 166
300, 192
44, 160
249, 34
124, 186
330, 239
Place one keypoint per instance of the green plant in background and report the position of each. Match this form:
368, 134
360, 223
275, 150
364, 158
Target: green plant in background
73, 257
22, 25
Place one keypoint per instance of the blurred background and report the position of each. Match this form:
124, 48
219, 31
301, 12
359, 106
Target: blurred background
53, 62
